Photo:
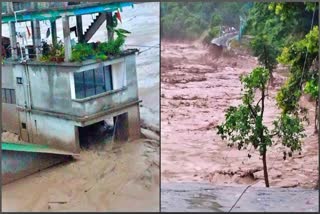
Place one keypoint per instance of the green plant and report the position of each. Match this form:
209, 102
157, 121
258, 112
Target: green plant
101, 56
82, 51
112, 47
53, 53
214, 32
109, 48
266, 53
301, 56
244, 125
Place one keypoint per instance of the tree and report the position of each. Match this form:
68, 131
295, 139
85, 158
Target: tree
183, 20
244, 125
302, 57
280, 28
266, 53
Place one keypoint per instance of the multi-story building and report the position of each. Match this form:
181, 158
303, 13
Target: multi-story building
50, 103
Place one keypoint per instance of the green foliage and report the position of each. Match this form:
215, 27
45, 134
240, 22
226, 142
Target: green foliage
290, 129
82, 51
214, 32
265, 51
243, 125
121, 32
111, 47
53, 53
188, 20
101, 57
312, 88
302, 70
57, 50
286, 33
280, 24
216, 20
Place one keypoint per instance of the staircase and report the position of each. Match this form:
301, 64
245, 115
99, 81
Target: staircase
94, 26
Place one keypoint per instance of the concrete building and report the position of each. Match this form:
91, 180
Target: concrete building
50, 103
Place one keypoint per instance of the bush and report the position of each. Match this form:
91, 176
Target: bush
82, 51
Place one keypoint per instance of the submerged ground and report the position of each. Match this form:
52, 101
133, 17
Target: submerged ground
195, 92
107, 176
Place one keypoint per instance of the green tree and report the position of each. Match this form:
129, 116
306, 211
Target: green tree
266, 53
189, 20
244, 124
302, 57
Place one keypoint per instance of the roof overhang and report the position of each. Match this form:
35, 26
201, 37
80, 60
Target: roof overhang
53, 14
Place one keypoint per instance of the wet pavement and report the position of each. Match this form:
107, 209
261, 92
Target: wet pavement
203, 197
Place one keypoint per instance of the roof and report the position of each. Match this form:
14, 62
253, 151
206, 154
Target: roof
29, 147
52, 13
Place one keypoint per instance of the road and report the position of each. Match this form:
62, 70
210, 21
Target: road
203, 197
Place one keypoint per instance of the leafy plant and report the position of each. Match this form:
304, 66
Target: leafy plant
244, 125
101, 57
303, 73
266, 53
112, 47
53, 53
82, 51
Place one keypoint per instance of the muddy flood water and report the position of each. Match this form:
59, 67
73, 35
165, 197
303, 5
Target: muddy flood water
195, 92
107, 176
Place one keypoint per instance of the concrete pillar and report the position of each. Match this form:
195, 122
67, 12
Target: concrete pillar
121, 126
37, 38
53, 32
79, 29
66, 37
36, 33
109, 23
13, 33
134, 123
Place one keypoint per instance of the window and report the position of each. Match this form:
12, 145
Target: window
92, 82
8, 96
19, 80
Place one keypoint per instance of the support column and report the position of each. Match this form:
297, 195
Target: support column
109, 23
37, 38
134, 123
36, 34
53, 32
66, 37
13, 33
79, 29
121, 126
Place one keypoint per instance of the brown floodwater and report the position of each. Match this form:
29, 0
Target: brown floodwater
195, 92
108, 177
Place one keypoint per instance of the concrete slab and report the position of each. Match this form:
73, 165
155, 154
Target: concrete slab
201, 197
29, 147
278, 200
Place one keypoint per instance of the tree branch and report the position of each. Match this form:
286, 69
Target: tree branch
252, 111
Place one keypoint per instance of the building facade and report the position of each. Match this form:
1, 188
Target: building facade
48, 103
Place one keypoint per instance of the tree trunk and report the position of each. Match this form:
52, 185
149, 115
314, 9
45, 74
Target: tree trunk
316, 122
265, 168
264, 154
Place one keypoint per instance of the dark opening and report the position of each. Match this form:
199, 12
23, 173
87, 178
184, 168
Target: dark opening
24, 125
95, 134
19, 80
121, 127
